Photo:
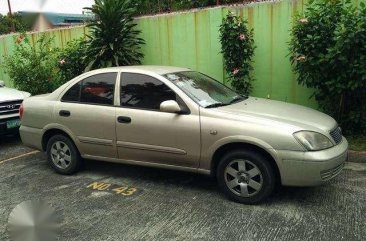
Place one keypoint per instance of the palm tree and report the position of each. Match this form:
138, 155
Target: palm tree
113, 38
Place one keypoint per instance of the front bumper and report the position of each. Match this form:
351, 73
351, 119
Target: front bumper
312, 168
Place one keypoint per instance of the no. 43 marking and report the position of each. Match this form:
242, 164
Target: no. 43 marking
117, 189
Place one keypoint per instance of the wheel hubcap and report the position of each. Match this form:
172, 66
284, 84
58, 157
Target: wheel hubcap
243, 178
61, 155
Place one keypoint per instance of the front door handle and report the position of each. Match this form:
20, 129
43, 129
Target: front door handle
124, 119
64, 113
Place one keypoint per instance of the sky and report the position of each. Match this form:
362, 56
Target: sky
58, 6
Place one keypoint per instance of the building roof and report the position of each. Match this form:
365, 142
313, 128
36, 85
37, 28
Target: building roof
59, 19
63, 18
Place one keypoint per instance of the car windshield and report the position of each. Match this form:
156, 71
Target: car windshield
204, 90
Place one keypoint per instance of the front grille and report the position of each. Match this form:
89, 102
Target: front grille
329, 174
336, 134
10, 107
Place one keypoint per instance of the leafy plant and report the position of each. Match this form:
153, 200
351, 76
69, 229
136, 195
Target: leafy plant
328, 51
113, 39
357, 143
33, 68
237, 46
158, 6
71, 60
21, 24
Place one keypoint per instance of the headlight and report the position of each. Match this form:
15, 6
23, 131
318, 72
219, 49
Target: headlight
313, 141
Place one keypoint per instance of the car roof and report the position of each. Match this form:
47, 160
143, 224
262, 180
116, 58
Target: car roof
161, 70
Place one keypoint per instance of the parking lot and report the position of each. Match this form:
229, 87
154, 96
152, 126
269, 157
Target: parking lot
118, 202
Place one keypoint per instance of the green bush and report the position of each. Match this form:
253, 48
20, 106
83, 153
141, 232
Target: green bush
113, 39
237, 46
328, 52
159, 6
33, 68
21, 24
71, 60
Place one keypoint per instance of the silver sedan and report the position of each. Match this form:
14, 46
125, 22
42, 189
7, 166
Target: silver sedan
176, 118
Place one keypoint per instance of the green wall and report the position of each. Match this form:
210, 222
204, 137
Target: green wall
191, 39
61, 37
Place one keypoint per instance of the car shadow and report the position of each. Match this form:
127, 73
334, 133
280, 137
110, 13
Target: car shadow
150, 174
196, 182
297, 195
10, 139
10, 145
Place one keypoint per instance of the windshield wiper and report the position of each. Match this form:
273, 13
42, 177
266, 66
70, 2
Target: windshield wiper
237, 99
216, 105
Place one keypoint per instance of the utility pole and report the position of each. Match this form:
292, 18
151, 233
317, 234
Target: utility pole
11, 18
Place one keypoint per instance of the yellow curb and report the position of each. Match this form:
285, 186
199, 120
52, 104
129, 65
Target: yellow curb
23, 155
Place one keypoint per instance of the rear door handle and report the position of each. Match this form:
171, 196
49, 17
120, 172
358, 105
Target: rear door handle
124, 119
64, 113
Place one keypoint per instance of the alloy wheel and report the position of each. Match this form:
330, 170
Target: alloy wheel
243, 178
61, 154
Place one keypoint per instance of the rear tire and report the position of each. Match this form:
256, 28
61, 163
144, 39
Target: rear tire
246, 176
63, 156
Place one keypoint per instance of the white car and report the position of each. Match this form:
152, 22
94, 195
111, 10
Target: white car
10, 101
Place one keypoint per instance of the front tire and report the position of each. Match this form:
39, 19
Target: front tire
246, 176
63, 155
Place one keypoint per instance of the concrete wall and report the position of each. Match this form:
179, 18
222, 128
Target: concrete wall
61, 37
191, 39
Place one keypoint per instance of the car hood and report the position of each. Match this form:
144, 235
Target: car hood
8, 94
295, 115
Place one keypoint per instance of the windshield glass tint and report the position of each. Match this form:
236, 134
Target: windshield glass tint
203, 89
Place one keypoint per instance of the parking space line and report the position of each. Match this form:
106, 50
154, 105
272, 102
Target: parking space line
16, 157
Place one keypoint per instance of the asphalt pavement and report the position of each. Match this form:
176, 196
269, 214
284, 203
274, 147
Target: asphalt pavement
110, 202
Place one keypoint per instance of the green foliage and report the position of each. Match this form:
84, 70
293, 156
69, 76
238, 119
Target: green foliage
357, 143
33, 68
328, 52
159, 6
237, 46
19, 22
113, 39
71, 60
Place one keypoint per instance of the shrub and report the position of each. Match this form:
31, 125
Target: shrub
21, 24
33, 68
113, 39
328, 51
71, 60
158, 6
237, 46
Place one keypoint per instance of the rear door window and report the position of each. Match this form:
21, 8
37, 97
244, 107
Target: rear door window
96, 89
73, 94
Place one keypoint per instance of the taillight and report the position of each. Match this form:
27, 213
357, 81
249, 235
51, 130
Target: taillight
21, 111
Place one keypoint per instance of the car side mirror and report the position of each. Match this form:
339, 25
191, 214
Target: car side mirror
170, 106
2, 83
